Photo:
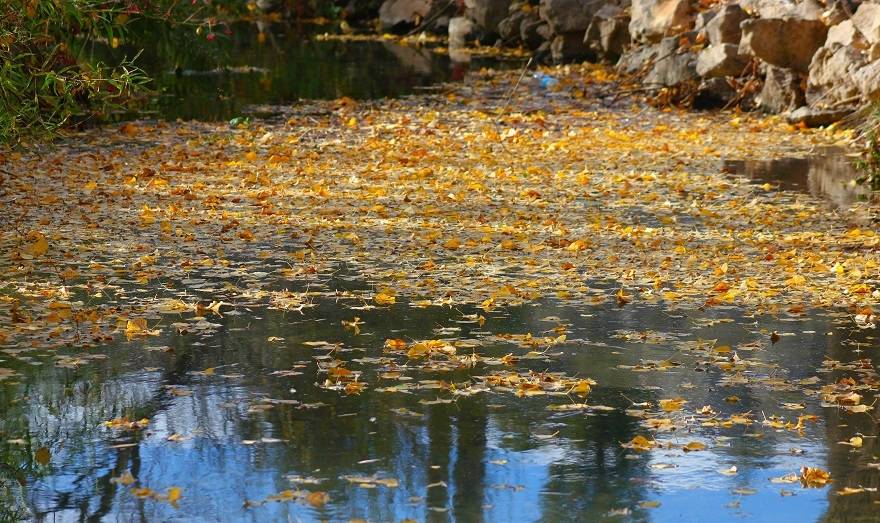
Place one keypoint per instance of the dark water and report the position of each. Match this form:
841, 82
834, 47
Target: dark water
230, 75
260, 423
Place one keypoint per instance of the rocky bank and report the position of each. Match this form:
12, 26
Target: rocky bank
813, 61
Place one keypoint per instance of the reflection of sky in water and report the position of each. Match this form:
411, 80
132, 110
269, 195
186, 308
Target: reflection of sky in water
502, 458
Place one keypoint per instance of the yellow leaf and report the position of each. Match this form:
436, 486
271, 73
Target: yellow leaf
38, 245
672, 405
385, 297
317, 499
173, 494
694, 446
452, 244
814, 477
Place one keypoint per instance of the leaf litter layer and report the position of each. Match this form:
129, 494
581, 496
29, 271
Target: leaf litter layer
476, 199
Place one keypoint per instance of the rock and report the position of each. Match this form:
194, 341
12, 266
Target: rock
867, 21
398, 15
721, 60
608, 33
805, 9
874, 52
783, 42
714, 92
845, 33
724, 27
567, 16
782, 90
569, 46
487, 14
837, 12
638, 57
867, 79
817, 117
831, 71
459, 29
654, 19
533, 31
702, 20
509, 28
672, 67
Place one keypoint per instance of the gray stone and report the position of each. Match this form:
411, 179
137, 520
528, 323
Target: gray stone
783, 42
487, 14
724, 27
721, 60
570, 46
654, 19
867, 79
702, 20
672, 66
533, 31
867, 21
782, 90
830, 78
845, 33
567, 16
459, 29
806, 9
608, 33
509, 28
399, 14
812, 117
637, 58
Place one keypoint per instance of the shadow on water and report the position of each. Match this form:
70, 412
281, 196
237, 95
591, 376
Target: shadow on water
259, 64
830, 176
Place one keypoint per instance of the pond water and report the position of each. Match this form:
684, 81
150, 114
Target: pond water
248, 410
258, 64
239, 411
830, 175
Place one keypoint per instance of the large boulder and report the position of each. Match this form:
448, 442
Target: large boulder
724, 28
782, 90
654, 19
719, 60
487, 14
806, 9
673, 67
783, 42
812, 117
640, 57
568, 16
399, 15
867, 79
831, 75
569, 46
534, 31
867, 21
509, 28
845, 33
608, 33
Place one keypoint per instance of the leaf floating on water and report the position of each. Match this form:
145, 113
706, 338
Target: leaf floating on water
639, 443
694, 446
812, 477
42, 456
